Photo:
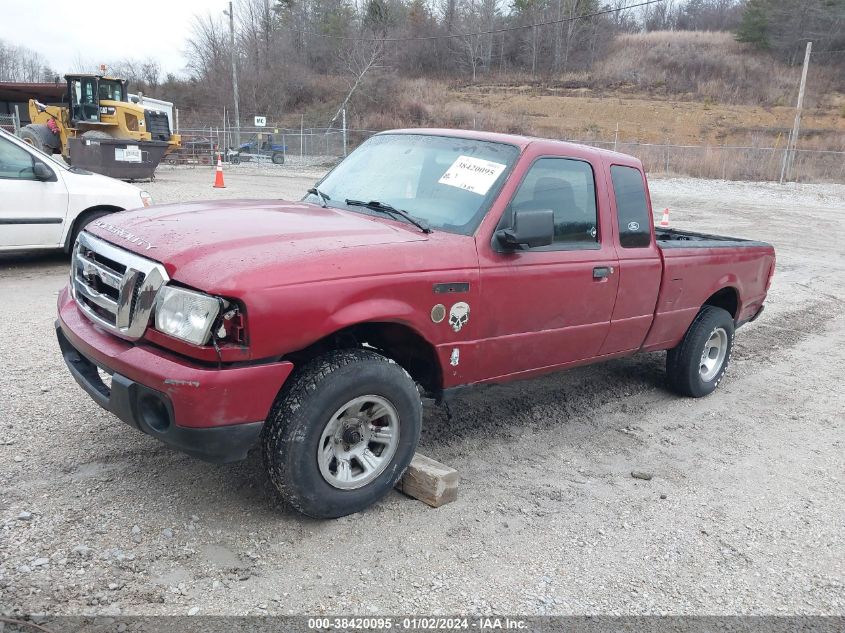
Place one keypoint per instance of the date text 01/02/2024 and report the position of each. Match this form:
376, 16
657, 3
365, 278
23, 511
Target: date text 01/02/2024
418, 623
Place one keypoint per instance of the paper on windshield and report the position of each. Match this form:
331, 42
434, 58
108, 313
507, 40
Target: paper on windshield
472, 174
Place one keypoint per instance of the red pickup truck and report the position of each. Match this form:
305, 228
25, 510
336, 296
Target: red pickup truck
426, 261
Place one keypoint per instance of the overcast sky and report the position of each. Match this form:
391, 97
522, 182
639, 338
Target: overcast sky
100, 32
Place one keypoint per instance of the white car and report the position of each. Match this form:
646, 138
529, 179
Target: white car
44, 204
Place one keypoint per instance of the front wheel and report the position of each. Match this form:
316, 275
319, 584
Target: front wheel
341, 433
696, 366
40, 137
81, 222
278, 159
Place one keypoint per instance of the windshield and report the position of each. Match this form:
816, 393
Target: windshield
111, 90
35, 150
447, 182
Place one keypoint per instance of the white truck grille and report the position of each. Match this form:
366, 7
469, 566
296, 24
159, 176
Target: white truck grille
114, 288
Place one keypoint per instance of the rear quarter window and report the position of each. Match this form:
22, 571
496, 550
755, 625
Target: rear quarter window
632, 212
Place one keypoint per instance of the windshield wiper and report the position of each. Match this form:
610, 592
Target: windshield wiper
375, 205
324, 199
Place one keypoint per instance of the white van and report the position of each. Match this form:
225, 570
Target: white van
44, 203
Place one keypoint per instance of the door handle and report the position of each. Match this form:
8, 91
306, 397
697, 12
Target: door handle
601, 272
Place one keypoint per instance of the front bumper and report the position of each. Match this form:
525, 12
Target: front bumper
213, 414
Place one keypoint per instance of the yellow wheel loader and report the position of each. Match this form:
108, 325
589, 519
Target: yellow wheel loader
97, 128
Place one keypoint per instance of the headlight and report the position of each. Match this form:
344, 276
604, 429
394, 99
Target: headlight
146, 199
185, 314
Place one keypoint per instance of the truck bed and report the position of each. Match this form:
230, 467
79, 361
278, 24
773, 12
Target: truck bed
698, 267
675, 238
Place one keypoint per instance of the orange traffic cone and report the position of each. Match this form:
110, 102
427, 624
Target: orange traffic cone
665, 221
218, 178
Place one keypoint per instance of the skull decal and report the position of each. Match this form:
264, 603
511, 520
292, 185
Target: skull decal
459, 315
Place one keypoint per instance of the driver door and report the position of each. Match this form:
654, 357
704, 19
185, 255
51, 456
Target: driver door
32, 211
84, 100
549, 306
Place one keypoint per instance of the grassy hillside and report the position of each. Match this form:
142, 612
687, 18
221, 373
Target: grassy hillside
654, 118
683, 87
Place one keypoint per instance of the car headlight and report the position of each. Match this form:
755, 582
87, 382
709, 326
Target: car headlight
146, 199
186, 314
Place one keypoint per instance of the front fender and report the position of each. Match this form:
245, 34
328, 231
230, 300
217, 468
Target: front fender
373, 310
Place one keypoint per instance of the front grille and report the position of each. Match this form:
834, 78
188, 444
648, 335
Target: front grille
114, 288
158, 125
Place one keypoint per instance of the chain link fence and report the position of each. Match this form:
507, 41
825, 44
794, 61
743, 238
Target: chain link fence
729, 162
323, 147
9, 122
308, 147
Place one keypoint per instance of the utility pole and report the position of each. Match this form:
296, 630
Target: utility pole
231, 15
344, 132
789, 155
267, 33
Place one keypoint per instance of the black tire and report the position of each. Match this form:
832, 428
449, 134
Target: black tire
81, 222
278, 159
304, 408
684, 363
40, 137
235, 159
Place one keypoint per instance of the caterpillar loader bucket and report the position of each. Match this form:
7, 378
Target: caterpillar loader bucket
117, 158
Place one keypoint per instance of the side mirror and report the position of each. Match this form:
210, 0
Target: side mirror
41, 171
530, 227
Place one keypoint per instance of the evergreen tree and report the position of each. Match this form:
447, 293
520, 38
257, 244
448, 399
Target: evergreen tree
754, 27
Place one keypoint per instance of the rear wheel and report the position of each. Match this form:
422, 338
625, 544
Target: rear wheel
696, 366
278, 159
341, 433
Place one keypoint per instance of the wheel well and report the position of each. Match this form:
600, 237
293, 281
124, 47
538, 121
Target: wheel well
81, 220
396, 341
727, 299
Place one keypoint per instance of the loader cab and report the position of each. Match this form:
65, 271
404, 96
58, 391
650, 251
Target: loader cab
85, 93
83, 97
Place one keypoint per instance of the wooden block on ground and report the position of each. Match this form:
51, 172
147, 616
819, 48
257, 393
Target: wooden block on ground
429, 481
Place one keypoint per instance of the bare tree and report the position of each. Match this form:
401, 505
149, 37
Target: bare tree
18, 63
207, 46
360, 58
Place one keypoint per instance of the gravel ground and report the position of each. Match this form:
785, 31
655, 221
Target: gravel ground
744, 513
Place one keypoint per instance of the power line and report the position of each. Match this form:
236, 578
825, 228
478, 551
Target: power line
454, 35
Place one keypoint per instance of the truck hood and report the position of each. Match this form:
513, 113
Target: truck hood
221, 246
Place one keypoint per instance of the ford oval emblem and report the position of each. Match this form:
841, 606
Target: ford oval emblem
633, 226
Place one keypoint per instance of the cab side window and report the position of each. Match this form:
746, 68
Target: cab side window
567, 187
632, 211
15, 163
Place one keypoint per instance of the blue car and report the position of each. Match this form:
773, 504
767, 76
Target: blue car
266, 145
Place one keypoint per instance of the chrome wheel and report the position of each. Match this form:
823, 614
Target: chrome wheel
713, 356
359, 442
